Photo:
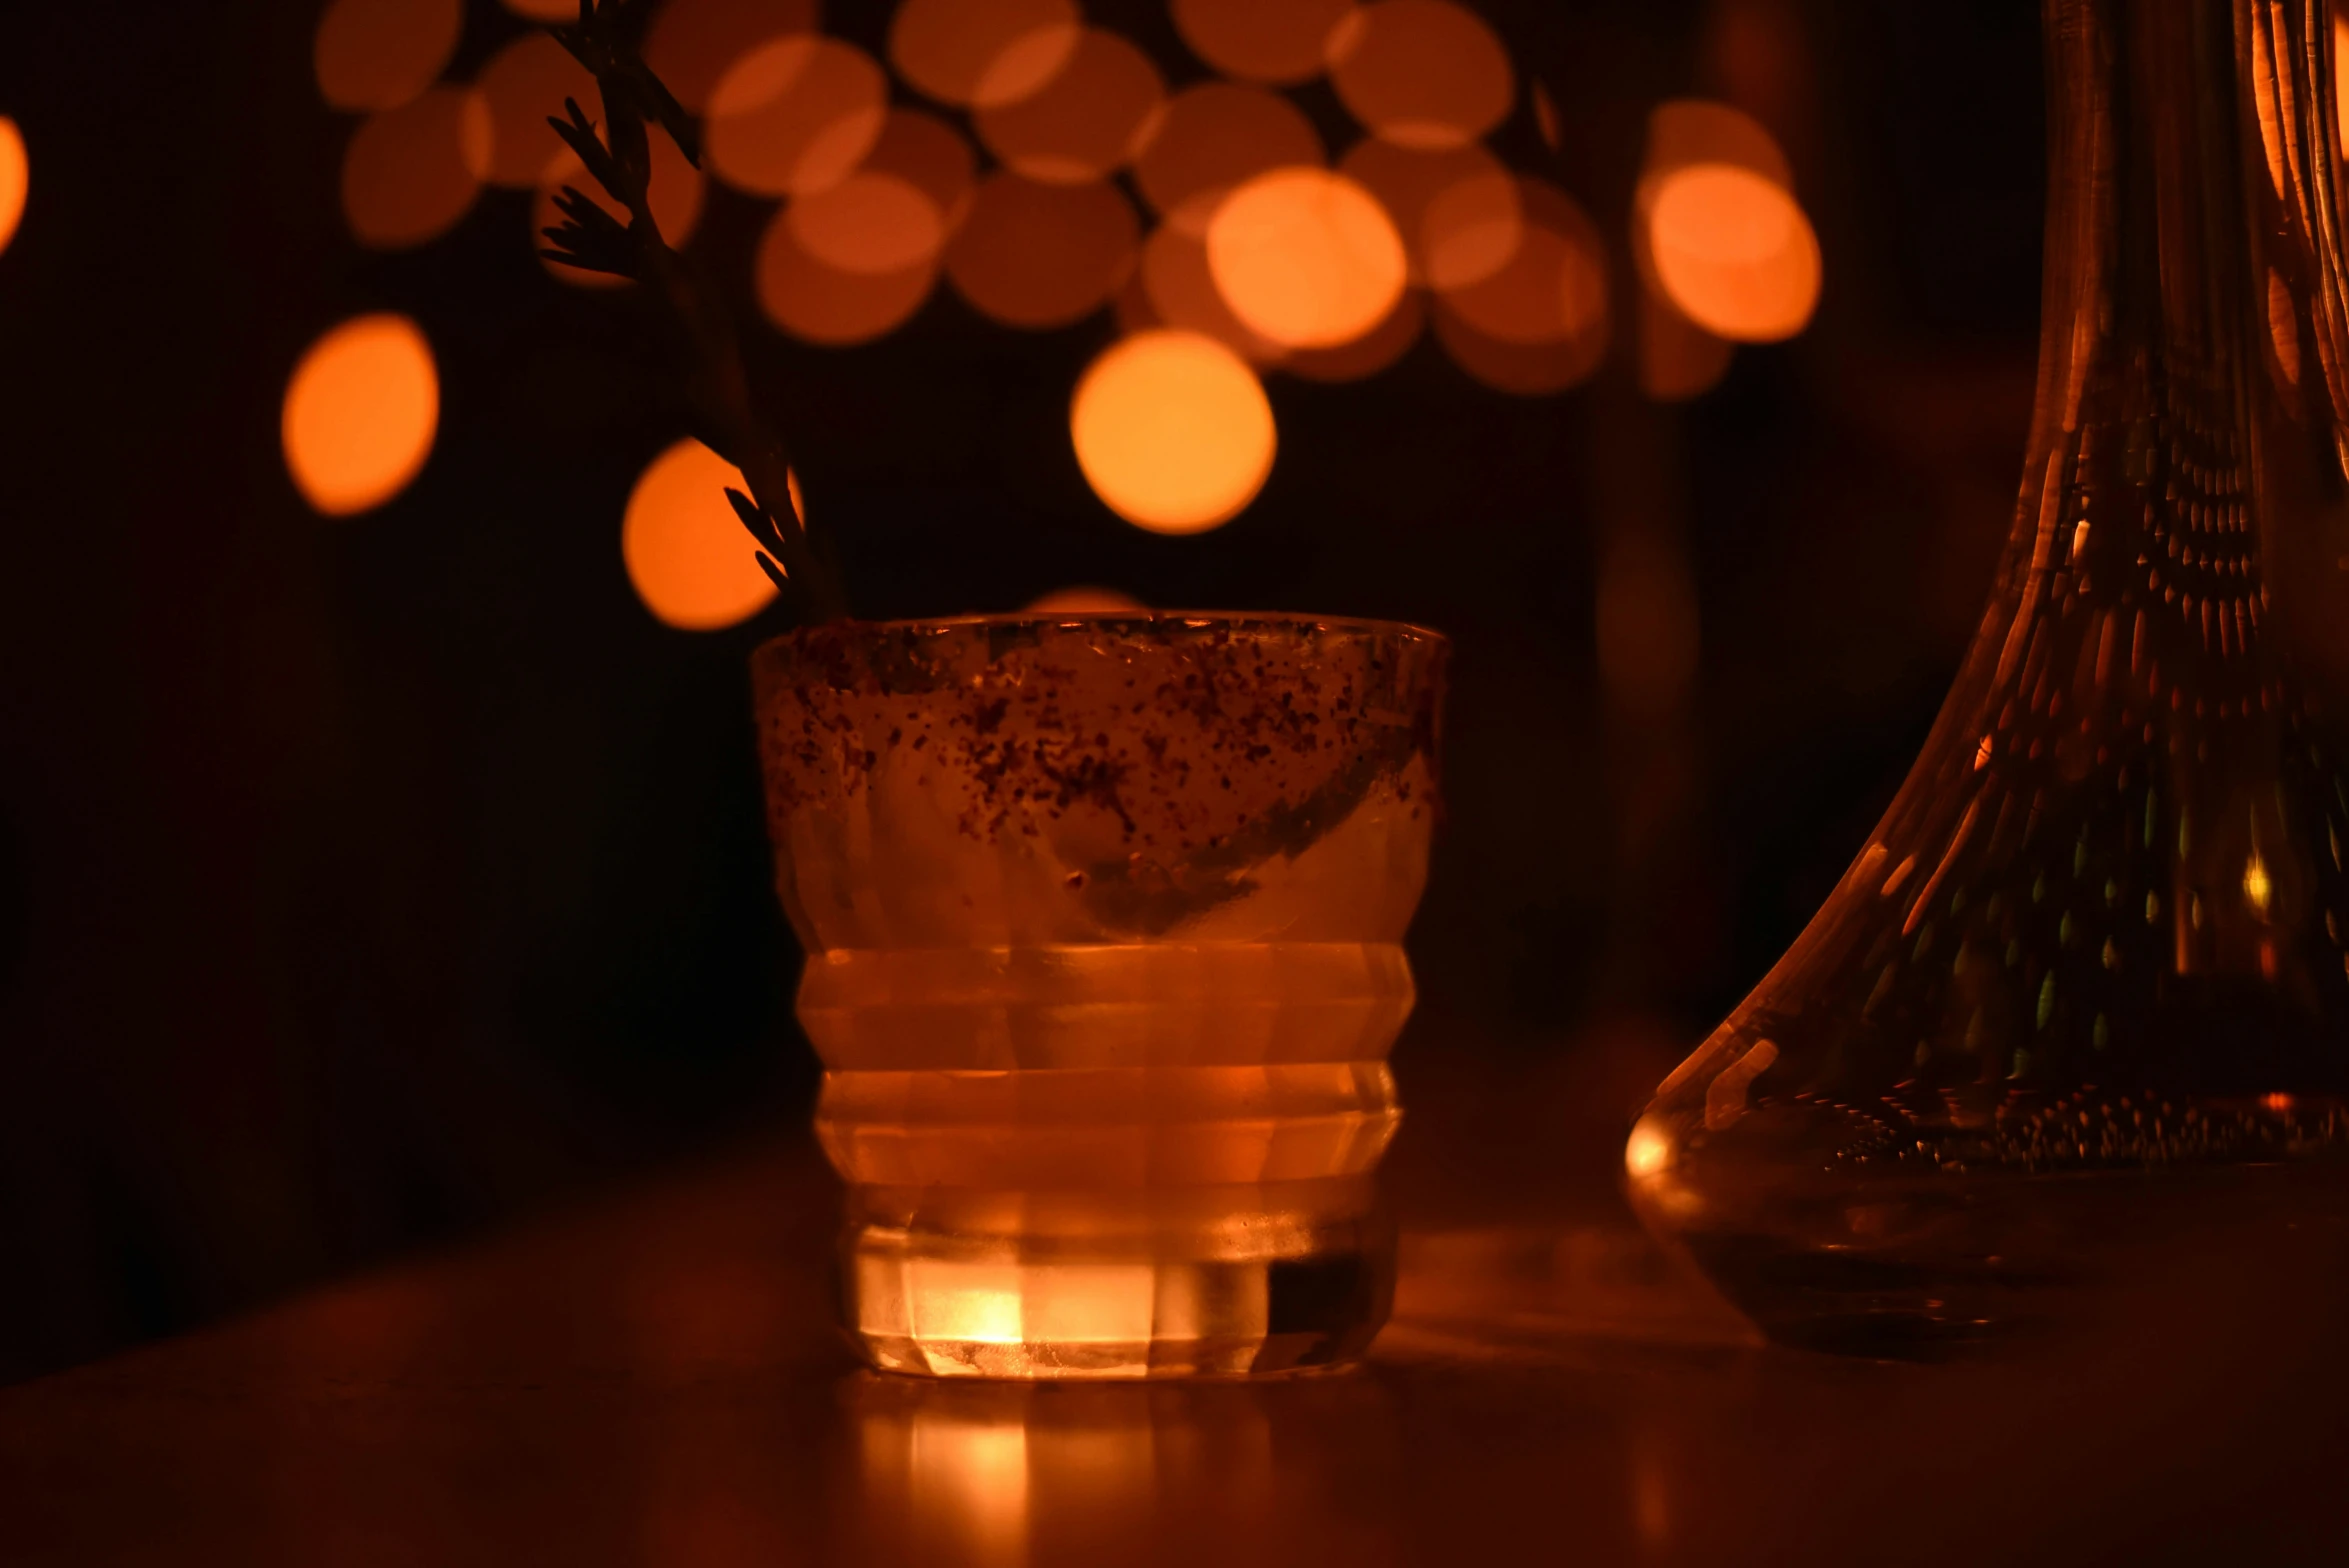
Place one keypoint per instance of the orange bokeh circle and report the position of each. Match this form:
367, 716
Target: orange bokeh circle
687, 555
16, 179
1305, 257
1032, 255
1733, 252
410, 173
379, 54
1426, 73
1173, 431
361, 410
795, 114
1215, 136
1282, 42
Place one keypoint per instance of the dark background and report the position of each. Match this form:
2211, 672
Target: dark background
365, 882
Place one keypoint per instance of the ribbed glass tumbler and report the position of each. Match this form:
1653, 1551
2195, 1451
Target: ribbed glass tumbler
1103, 920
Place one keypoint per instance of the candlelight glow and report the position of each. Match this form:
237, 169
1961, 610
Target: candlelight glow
1214, 137
1032, 255
1086, 122
795, 115
1647, 1152
1305, 257
687, 555
410, 173
971, 1476
1085, 600
16, 179
1425, 73
1172, 431
360, 413
379, 54
1733, 251
983, 53
1283, 42
693, 43
523, 84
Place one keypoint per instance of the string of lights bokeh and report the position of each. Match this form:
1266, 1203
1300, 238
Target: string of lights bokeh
1051, 174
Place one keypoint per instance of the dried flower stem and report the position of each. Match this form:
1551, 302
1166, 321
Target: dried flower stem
590, 237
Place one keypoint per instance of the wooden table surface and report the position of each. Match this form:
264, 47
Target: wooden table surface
651, 1378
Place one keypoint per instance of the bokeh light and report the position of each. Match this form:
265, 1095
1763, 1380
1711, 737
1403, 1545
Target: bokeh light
1539, 324
1553, 286
692, 44
410, 173
378, 54
1368, 354
1680, 356
795, 114
545, 10
1682, 131
1034, 255
686, 552
1180, 288
1457, 208
16, 179
1086, 122
1283, 42
1733, 251
1677, 358
676, 190
1216, 136
1305, 257
818, 302
523, 84
1426, 73
1173, 431
983, 53
1087, 600
869, 222
1525, 369
360, 413
888, 220
933, 157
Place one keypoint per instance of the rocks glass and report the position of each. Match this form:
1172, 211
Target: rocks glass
1103, 920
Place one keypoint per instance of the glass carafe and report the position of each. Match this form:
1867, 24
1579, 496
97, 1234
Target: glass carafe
2082, 1001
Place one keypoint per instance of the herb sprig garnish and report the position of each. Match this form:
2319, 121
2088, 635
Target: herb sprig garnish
590, 237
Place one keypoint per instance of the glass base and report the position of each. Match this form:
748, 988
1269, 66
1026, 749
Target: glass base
1151, 1282
1872, 1263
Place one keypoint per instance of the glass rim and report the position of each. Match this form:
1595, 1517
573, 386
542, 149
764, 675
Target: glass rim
1194, 620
